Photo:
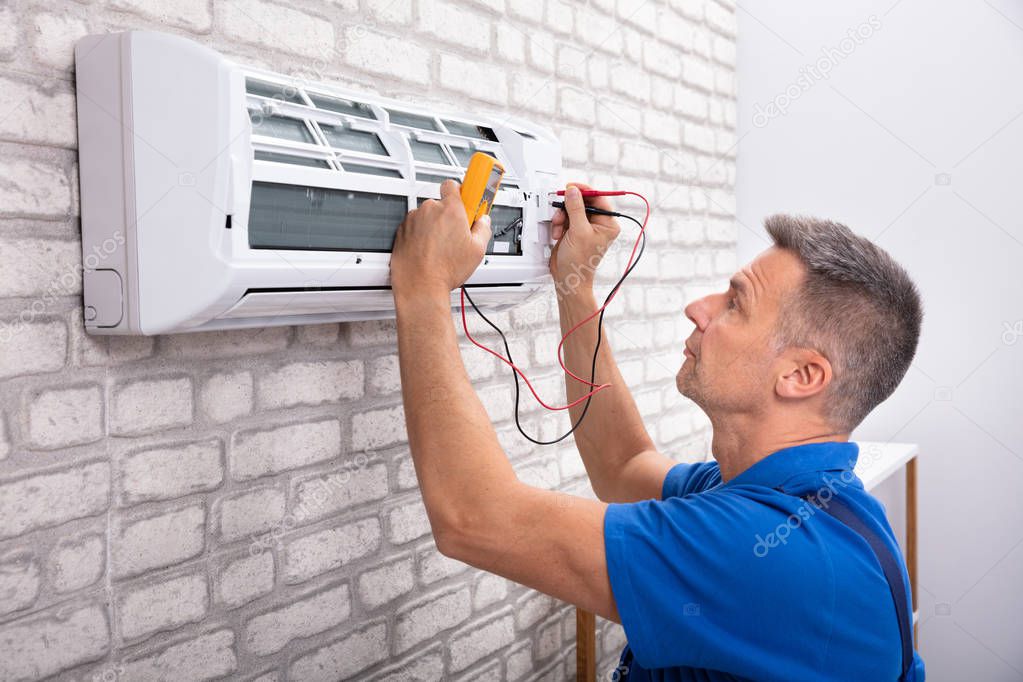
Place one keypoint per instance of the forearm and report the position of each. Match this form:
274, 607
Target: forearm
462, 468
612, 431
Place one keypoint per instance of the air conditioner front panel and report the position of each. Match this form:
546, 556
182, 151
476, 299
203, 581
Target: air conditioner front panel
238, 183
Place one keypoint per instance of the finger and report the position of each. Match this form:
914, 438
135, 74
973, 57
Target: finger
596, 202
558, 224
481, 231
576, 209
447, 188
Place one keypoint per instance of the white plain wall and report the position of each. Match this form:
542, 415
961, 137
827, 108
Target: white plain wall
934, 90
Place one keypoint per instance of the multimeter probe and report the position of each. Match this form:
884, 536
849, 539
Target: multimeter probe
482, 179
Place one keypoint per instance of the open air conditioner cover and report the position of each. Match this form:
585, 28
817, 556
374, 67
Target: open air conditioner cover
219, 196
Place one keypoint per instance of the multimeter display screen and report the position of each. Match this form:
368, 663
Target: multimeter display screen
493, 182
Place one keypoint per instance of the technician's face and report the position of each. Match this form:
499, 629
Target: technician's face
728, 357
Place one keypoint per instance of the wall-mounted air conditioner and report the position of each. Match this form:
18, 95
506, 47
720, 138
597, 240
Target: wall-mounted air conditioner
218, 196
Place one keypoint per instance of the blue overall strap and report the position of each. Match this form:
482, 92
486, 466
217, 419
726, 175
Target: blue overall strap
889, 564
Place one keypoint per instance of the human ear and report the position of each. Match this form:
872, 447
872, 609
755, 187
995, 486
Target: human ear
805, 373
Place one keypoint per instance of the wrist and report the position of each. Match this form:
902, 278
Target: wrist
425, 294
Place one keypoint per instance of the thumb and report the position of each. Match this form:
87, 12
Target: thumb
481, 231
576, 209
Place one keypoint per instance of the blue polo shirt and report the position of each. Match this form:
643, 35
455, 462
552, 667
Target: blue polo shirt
747, 580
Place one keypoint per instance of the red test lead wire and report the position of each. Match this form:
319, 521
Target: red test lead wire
598, 193
561, 361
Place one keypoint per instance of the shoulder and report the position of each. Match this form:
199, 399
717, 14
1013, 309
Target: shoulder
690, 477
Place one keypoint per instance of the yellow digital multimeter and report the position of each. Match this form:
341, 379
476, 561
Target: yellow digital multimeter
479, 187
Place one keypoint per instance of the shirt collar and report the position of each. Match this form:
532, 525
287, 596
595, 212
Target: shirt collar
772, 471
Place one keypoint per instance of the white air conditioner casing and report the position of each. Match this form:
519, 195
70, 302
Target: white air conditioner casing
218, 196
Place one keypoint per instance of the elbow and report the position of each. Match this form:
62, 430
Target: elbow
447, 543
450, 537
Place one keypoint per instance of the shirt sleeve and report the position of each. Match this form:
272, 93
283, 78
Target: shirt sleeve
689, 477
693, 589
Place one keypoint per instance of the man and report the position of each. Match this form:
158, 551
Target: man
701, 563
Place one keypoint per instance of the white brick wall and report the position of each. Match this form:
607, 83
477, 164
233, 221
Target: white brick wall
243, 503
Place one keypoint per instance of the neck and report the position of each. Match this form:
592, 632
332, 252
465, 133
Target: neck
740, 441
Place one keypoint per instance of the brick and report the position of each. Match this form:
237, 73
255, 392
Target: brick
576, 105
430, 616
55, 37
691, 102
19, 581
407, 522
397, 12
560, 16
270, 632
320, 335
37, 113
330, 549
385, 55
548, 638
720, 19
263, 452
675, 29
384, 375
77, 562
478, 640
169, 472
541, 51
147, 406
453, 24
342, 659
434, 566
698, 74
662, 59
264, 23
251, 513
531, 609
241, 581
191, 14
214, 345
378, 428
156, 541
534, 93
640, 157
519, 662
10, 36
33, 348
464, 76
320, 496
530, 10
203, 658
51, 499
385, 583
311, 383
488, 589
422, 666
510, 47
224, 397
45, 645
44, 268
162, 606
61, 418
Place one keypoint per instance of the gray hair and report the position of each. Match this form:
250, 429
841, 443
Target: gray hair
857, 307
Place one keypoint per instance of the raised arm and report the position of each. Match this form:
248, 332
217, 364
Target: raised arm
616, 448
